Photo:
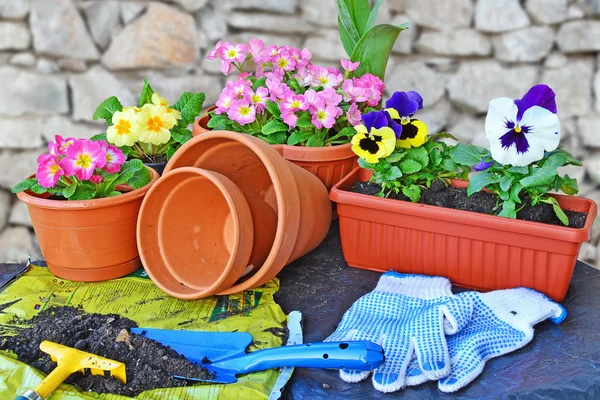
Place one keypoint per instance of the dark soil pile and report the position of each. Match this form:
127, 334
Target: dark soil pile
482, 202
149, 364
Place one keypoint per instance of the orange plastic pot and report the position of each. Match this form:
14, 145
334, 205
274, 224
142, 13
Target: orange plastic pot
477, 251
88, 240
330, 164
298, 198
195, 249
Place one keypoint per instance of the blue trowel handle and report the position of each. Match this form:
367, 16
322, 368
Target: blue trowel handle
358, 355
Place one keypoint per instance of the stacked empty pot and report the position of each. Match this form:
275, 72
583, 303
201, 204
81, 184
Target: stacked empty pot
227, 215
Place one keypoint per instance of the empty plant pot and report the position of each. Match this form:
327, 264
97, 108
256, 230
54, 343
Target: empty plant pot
198, 233
298, 197
201, 124
88, 240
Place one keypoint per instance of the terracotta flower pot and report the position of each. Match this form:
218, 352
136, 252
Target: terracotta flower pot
193, 250
88, 240
329, 164
299, 199
473, 250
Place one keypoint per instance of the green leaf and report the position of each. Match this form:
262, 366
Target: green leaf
449, 165
413, 192
84, 191
147, 92
181, 135
140, 178
553, 160
442, 135
505, 182
373, 15
170, 151
262, 82
345, 133
366, 165
569, 185
190, 106
273, 108
275, 138
393, 173
374, 48
273, 127
69, 191
468, 154
514, 192
395, 156
479, 181
38, 189
100, 136
298, 137
107, 108
418, 154
24, 185
504, 195
127, 170
114, 193
215, 121
542, 176
352, 21
508, 210
305, 121
410, 166
518, 170
436, 157
315, 141
557, 210
570, 159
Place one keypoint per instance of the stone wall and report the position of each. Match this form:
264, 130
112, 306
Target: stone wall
60, 58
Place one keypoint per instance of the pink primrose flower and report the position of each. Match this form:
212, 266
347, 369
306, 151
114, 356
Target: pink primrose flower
233, 53
62, 144
353, 114
258, 98
323, 116
227, 67
96, 179
323, 77
256, 48
114, 157
226, 97
349, 65
277, 88
214, 53
303, 76
272, 51
239, 88
290, 118
82, 158
330, 96
242, 112
293, 102
284, 61
49, 171
353, 93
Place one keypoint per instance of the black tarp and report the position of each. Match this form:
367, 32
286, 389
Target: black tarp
562, 361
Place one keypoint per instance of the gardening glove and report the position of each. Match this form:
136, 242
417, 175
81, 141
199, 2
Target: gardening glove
502, 322
405, 315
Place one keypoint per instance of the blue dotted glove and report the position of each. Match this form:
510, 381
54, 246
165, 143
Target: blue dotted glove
502, 322
405, 315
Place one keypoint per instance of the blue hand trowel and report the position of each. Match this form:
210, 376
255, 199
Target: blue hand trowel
224, 353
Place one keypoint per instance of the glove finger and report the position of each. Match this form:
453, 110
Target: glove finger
458, 313
391, 375
431, 347
352, 376
414, 375
465, 369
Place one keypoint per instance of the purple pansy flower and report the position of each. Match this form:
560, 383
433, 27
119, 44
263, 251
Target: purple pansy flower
483, 165
374, 120
521, 130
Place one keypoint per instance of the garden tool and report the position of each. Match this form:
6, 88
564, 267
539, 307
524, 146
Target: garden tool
224, 353
70, 360
407, 315
502, 322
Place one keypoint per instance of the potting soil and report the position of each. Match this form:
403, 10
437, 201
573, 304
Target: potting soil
95, 317
442, 195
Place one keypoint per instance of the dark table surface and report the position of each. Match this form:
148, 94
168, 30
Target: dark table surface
562, 361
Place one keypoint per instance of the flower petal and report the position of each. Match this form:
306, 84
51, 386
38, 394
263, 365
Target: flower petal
539, 95
544, 128
374, 120
500, 111
401, 102
415, 97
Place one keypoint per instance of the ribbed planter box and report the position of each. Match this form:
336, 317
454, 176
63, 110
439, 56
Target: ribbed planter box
473, 250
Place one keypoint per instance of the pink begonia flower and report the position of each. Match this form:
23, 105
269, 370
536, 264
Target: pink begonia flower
323, 77
323, 116
284, 61
242, 112
349, 65
96, 179
82, 158
353, 114
214, 53
256, 48
49, 171
114, 158
353, 93
258, 98
293, 102
290, 118
226, 97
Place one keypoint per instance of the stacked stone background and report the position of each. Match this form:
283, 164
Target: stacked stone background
60, 58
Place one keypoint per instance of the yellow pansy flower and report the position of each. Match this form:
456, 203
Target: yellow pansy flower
373, 145
157, 100
125, 128
414, 133
155, 123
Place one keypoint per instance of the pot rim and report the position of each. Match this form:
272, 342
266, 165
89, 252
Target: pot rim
492, 222
75, 205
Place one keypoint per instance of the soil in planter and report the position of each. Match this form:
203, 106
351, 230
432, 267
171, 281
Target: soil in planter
482, 202
149, 364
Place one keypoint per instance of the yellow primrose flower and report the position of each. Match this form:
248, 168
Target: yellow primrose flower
376, 142
155, 124
157, 100
124, 131
135, 109
414, 133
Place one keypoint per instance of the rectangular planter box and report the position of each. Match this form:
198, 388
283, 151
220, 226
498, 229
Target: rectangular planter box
473, 250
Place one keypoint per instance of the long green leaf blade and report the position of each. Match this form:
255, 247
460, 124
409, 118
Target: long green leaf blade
373, 15
374, 49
